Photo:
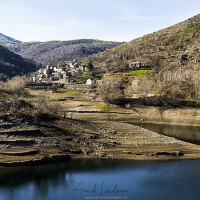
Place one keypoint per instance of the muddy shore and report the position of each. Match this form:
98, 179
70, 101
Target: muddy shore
95, 135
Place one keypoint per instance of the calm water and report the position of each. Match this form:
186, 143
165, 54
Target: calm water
104, 179
185, 133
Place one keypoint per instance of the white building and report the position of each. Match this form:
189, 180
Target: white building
89, 82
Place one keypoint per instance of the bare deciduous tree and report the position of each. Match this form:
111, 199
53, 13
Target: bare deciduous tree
13, 86
111, 90
144, 86
44, 107
196, 82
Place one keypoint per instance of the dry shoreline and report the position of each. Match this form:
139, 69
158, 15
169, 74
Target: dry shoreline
93, 135
148, 114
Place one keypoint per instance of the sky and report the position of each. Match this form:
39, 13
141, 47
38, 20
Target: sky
112, 20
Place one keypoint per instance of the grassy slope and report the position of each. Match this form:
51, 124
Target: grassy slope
160, 49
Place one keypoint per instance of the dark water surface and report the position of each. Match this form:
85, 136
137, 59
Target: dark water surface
104, 179
186, 133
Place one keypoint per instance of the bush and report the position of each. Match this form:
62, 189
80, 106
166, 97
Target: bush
16, 106
46, 109
4, 96
13, 86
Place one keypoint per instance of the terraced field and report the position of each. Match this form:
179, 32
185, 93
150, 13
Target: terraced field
38, 143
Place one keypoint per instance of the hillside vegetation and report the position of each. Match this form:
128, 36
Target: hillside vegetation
173, 47
57, 52
12, 64
173, 54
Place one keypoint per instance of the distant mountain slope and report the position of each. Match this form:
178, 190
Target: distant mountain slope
12, 64
54, 52
167, 49
4, 38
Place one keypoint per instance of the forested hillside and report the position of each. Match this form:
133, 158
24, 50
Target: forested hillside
12, 64
57, 52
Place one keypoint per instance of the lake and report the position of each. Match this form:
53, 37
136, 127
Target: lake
186, 133
103, 179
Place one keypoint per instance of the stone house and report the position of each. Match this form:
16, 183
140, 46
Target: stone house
135, 65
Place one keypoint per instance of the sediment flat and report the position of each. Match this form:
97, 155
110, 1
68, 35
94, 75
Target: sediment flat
65, 139
140, 144
176, 116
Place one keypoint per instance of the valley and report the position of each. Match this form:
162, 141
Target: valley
79, 96
87, 129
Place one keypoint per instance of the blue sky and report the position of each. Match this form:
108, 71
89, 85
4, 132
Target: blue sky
116, 20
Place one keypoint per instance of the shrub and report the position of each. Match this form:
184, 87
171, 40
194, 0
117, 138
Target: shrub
13, 86
46, 109
111, 91
15, 105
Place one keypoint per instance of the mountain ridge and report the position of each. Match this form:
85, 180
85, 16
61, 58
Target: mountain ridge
168, 49
57, 52
4, 38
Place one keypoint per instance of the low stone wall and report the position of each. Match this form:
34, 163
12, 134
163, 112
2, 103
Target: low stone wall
82, 87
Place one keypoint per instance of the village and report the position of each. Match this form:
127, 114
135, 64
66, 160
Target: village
67, 72
61, 73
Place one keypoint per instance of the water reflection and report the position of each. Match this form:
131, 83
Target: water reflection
103, 179
48, 182
55, 174
186, 133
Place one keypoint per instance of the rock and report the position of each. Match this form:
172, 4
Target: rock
101, 155
86, 151
112, 144
73, 151
94, 137
116, 143
76, 140
185, 56
165, 153
68, 139
139, 154
128, 152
